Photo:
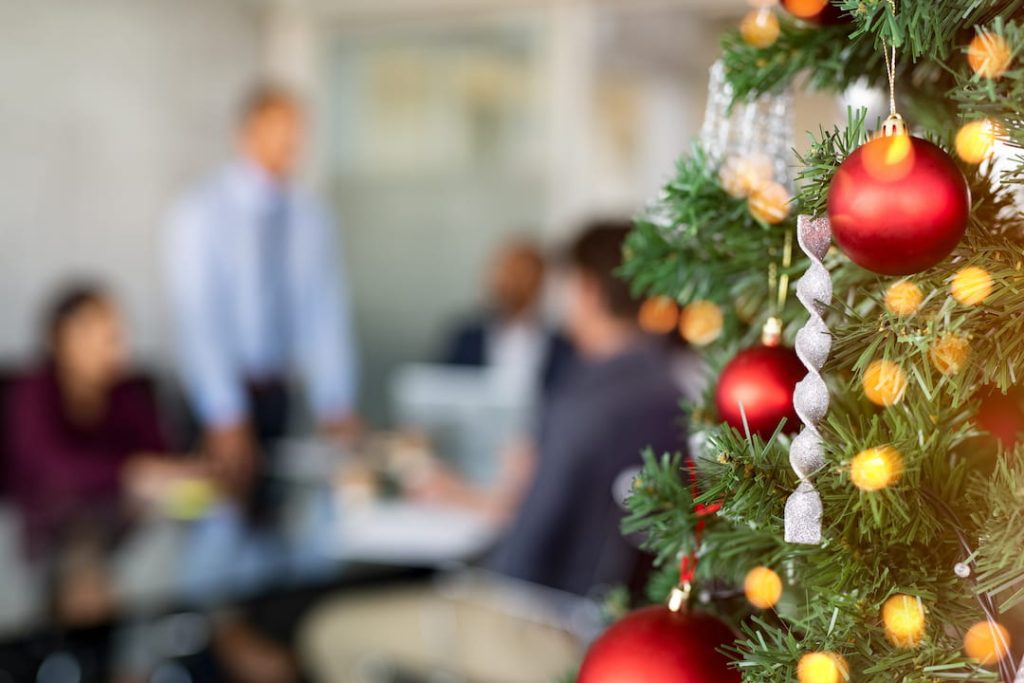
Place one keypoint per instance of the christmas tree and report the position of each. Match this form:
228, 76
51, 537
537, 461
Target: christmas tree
872, 528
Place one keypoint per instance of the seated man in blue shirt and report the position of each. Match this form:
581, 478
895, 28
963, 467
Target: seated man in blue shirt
512, 624
257, 291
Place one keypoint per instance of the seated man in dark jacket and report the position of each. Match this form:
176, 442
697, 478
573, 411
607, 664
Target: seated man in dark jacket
563, 542
510, 334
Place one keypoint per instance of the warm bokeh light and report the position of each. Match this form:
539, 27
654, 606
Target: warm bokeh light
971, 285
700, 322
903, 298
988, 642
741, 175
763, 587
760, 28
888, 158
822, 667
769, 203
884, 383
658, 315
949, 354
989, 55
975, 141
806, 9
874, 469
903, 617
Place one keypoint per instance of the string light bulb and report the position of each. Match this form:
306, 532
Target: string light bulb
760, 28
822, 667
874, 469
971, 285
975, 141
884, 383
949, 354
658, 315
903, 298
904, 620
700, 322
769, 203
741, 175
763, 587
989, 54
987, 642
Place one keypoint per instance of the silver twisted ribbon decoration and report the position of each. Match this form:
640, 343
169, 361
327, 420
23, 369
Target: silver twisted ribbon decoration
810, 398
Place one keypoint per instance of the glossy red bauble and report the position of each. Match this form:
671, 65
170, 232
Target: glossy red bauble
898, 205
657, 645
1002, 415
814, 11
759, 383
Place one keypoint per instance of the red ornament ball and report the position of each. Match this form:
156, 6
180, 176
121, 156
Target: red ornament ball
898, 205
814, 11
657, 645
761, 379
1002, 415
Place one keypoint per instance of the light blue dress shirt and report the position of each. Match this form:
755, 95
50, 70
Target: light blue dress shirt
256, 292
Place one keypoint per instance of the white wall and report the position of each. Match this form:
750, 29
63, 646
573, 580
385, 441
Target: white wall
581, 114
107, 109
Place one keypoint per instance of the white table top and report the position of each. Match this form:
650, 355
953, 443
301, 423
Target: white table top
406, 533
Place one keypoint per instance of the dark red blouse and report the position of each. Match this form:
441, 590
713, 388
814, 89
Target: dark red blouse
57, 468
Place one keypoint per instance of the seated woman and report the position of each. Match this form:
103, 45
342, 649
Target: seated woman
80, 433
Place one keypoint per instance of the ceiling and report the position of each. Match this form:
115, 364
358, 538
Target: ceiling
373, 10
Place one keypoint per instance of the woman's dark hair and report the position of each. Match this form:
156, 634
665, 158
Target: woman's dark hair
68, 301
598, 253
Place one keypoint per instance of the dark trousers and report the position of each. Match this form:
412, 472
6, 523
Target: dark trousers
268, 412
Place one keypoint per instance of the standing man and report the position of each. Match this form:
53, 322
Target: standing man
257, 293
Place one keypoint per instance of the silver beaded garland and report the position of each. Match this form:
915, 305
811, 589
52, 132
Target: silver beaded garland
760, 125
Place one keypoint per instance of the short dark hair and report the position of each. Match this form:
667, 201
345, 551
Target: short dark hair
69, 300
597, 251
263, 96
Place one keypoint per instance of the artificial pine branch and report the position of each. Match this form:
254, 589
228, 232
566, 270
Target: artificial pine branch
960, 498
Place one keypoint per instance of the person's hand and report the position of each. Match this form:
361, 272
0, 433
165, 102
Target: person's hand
147, 477
234, 457
497, 502
344, 428
438, 484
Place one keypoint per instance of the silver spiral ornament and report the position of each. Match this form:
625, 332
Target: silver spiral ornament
810, 398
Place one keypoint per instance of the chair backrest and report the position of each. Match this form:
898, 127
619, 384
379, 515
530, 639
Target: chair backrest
468, 412
8, 376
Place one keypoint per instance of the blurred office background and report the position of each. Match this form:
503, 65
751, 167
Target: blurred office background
440, 127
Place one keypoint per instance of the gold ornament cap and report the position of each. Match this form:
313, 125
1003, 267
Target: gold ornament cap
771, 333
894, 125
679, 597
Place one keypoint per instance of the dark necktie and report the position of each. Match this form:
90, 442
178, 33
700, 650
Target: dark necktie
273, 274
